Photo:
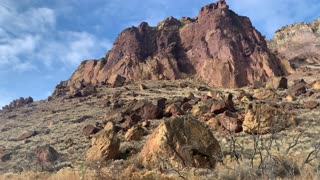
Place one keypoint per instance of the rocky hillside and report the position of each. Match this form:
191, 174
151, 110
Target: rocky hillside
218, 47
298, 42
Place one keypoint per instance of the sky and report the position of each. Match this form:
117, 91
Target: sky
42, 42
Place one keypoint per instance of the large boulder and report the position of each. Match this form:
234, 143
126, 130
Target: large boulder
104, 146
277, 83
47, 154
266, 118
181, 142
218, 43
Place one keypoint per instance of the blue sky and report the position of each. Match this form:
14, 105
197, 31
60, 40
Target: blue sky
42, 42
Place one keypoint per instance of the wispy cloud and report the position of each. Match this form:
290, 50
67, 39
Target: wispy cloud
30, 39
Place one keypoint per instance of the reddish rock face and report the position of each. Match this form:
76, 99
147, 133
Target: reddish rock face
217, 47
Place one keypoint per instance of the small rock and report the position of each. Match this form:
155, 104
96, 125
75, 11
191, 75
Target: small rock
199, 109
89, 129
173, 110
190, 95
216, 95
311, 105
230, 121
27, 135
109, 126
142, 87
298, 89
47, 154
5, 157
316, 85
290, 98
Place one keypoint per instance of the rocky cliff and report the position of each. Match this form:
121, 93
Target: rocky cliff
298, 42
217, 47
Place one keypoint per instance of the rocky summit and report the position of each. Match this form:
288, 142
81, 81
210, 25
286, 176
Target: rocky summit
195, 98
298, 42
218, 47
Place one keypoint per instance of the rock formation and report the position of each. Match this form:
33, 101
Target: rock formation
218, 47
298, 42
181, 142
266, 118
18, 103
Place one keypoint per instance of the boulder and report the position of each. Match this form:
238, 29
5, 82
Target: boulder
181, 142
265, 94
199, 109
298, 89
230, 121
222, 106
89, 130
266, 118
104, 146
173, 110
47, 154
277, 83
145, 109
134, 134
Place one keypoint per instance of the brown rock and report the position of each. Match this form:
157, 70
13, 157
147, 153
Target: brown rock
134, 134
266, 118
311, 105
5, 157
216, 95
173, 110
160, 103
265, 94
27, 135
186, 106
230, 121
142, 87
145, 109
89, 129
199, 109
47, 154
298, 89
210, 45
277, 83
104, 146
181, 142
222, 106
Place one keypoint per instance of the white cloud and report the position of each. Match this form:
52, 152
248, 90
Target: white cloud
29, 39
